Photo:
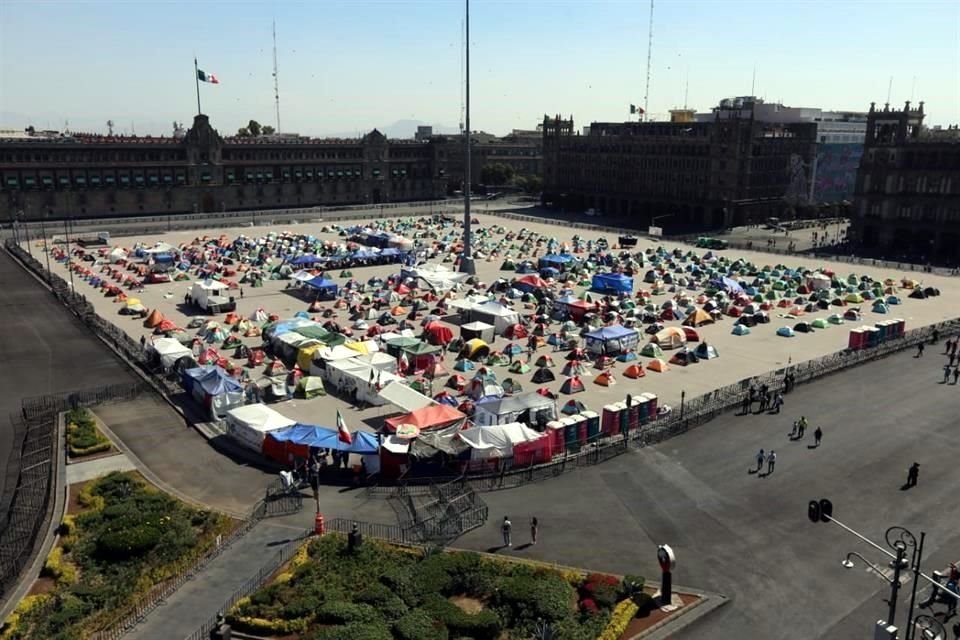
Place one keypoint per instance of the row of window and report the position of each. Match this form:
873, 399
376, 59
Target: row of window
101, 155
924, 184
93, 181
916, 212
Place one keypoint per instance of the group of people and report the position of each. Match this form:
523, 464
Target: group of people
506, 528
768, 399
952, 367
770, 458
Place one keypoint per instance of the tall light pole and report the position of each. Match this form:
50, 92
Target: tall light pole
466, 260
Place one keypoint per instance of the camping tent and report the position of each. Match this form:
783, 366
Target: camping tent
169, 350
476, 349
400, 395
634, 371
605, 379
670, 338
706, 351
214, 389
438, 333
657, 365
651, 350
250, 423
572, 385
612, 283
698, 318
528, 407
311, 387
499, 441
481, 330
543, 375
612, 340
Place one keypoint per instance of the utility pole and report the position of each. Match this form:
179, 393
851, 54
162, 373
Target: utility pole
646, 92
466, 260
276, 76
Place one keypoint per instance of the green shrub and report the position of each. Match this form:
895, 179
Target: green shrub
548, 597
300, 607
372, 631
383, 600
400, 581
631, 585
418, 625
483, 625
128, 542
339, 612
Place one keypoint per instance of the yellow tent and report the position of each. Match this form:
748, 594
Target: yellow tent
305, 356
359, 347
698, 318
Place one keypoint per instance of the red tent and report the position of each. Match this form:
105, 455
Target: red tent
516, 332
434, 416
438, 333
532, 280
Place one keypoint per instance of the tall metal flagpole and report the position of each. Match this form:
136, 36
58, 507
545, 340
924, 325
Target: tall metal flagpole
196, 77
466, 261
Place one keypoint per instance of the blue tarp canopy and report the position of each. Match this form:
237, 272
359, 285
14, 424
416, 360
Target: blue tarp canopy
612, 283
306, 259
326, 438
555, 260
323, 285
213, 380
612, 340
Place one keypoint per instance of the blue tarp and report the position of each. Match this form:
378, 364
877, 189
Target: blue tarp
613, 332
727, 284
326, 438
556, 260
612, 340
612, 283
306, 259
322, 284
213, 380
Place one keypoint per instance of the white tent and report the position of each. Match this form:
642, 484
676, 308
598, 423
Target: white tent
507, 409
380, 361
494, 313
249, 424
325, 356
400, 395
170, 350
440, 278
357, 379
497, 441
203, 291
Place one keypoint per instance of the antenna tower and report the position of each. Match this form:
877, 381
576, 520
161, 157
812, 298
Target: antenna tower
276, 76
646, 93
462, 84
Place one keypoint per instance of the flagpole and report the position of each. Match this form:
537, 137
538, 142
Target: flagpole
196, 77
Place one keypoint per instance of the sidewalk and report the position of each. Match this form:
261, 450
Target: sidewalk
198, 599
83, 471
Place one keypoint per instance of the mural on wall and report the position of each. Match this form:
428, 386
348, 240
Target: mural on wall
836, 174
797, 182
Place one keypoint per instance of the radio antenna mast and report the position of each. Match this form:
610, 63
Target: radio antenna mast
462, 68
646, 93
276, 76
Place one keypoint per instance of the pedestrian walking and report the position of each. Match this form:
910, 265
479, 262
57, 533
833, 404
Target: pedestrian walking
771, 461
241, 293
946, 373
801, 426
952, 358
817, 437
760, 458
534, 530
919, 350
956, 374
913, 474
777, 402
143, 341
506, 528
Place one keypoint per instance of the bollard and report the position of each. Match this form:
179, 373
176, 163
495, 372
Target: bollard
319, 527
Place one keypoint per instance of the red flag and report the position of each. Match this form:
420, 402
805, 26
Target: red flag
343, 434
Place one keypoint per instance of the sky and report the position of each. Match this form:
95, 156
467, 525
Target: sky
348, 66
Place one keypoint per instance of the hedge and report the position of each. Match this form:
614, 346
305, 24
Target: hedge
623, 613
83, 436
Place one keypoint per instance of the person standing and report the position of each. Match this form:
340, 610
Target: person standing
919, 350
956, 374
760, 458
817, 436
946, 373
534, 530
913, 474
506, 528
771, 461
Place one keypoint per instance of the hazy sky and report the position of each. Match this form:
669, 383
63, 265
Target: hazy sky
348, 66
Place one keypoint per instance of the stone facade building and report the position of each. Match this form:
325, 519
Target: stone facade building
728, 171
91, 176
522, 151
907, 202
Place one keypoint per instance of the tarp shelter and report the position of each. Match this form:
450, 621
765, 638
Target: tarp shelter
291, 443
207, 292
153, 320
400, 395
612, 340
422, 355
670, 338
169, 350
322, 288
559, 261
435, 416
214, 389
501, 441
530, 408
494, 313
438, 333
250, 423
612, 283
529, 283
481, 330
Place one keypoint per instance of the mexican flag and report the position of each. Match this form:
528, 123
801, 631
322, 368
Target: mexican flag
203, 76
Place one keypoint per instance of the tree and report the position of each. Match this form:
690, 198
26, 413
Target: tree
496, 173
268, 130
254, 127
530, 184
243, 132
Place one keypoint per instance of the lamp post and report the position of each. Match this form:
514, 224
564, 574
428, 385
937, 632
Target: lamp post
466, 260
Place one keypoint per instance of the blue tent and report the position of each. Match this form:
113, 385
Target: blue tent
326, 438
306, 259
555, 260
212, 381
612, 283
326, 289
612, 340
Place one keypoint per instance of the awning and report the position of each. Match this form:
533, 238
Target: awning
404, 397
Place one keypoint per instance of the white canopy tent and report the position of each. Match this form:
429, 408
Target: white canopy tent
437, 276
250, 423
494, 313
400, 395
497, 441
170, 350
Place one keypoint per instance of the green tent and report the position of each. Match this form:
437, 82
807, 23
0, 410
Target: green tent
651, 350
310, 387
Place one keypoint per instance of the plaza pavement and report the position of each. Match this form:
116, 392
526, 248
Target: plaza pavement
740, 356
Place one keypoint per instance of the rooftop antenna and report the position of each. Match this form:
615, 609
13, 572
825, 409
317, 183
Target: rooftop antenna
276, 76
646, 93
462, 68
686, 89
110, 128
889, 90
753, 83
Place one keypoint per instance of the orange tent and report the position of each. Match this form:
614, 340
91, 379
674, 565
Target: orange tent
398, 311
698, 318
154, 319
430, 417
658, 365
634, 371
605, 379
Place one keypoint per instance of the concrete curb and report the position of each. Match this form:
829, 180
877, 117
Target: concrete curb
684, 617
42, 548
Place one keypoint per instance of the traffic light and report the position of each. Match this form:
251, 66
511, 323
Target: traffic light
826, 510
820, 510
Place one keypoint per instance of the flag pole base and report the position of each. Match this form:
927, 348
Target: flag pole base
467, 265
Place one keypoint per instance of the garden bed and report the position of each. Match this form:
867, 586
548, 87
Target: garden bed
85, 441
388, 592
121, 538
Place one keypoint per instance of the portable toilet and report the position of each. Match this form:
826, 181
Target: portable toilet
610, 422
593, 425
571, 437
857, 337
651, 399
872, 336
555, 432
